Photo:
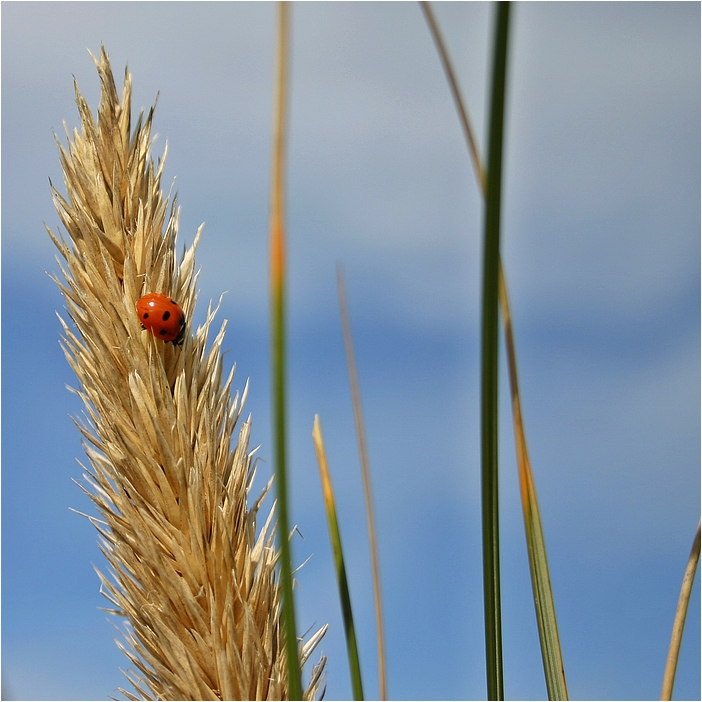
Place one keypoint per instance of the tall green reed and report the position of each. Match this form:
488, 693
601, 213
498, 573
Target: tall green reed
278, 345
541, 582
489, 361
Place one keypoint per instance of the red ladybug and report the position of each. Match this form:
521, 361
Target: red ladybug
163, 317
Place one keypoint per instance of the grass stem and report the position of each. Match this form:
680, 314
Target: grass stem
455, 91
680, 615
337, 550
365, 472
489, 363
554, 670
536, 545
278, 347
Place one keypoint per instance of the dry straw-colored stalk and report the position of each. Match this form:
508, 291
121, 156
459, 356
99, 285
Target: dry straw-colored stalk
197, 585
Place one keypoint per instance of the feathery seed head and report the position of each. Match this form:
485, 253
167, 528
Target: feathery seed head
196, 583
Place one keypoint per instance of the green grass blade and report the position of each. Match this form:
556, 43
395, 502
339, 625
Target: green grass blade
489, 363
278, 352
541, 583
335, 539
680, 615
536, 545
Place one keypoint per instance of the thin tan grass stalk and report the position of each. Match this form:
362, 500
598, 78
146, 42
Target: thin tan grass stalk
671, 664
196, 584
365, 474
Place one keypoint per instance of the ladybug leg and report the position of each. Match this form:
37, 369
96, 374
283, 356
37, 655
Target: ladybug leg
178, 341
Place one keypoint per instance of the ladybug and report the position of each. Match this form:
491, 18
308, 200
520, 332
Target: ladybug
163, 317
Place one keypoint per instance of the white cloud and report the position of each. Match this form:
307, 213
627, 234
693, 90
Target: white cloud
601, 203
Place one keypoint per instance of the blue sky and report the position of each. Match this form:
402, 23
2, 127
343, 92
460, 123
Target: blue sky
601, 245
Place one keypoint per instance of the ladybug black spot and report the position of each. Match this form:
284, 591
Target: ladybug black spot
166, 316
145, 315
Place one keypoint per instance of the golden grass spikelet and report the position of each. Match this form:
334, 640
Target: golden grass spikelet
197, 585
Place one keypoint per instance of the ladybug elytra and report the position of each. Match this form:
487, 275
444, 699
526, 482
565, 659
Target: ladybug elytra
163, 317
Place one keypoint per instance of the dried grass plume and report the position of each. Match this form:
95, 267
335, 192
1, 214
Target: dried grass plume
196, 583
